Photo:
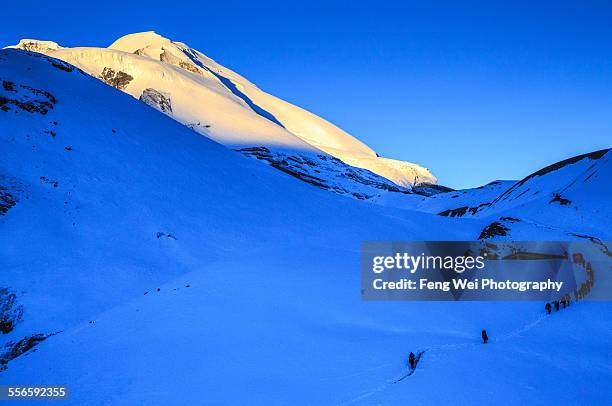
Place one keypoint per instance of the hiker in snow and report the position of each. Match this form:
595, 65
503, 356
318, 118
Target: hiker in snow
556, 305
485, 337
411, 360
548, 308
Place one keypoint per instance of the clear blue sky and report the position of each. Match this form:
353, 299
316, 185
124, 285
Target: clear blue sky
475, 92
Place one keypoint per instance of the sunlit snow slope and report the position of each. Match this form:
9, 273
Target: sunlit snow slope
221, 104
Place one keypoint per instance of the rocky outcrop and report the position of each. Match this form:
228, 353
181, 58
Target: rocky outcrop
26, 98
7, 201
461, 211
10, 191
559, 199
35, 45
494, 229
430, 189
13, 350
11, 311
168, 58
327, 172
158, 100
117, 79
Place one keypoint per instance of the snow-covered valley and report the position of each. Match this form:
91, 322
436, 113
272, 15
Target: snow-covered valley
148, 261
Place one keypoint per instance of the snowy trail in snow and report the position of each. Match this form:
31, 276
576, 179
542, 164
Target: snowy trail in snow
451, 346
436, 348
365, 371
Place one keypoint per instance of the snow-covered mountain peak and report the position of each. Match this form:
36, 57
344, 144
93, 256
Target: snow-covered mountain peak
137, 40
35, 45
305, 125
222, 105
149, 44
131, 42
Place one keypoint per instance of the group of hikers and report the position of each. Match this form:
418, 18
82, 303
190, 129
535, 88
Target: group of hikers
586, 286
564, 302
558, 304
581, 292
413, 359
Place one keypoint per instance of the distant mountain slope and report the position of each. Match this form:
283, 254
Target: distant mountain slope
221, 104
572, 195
584, 177
465, 201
